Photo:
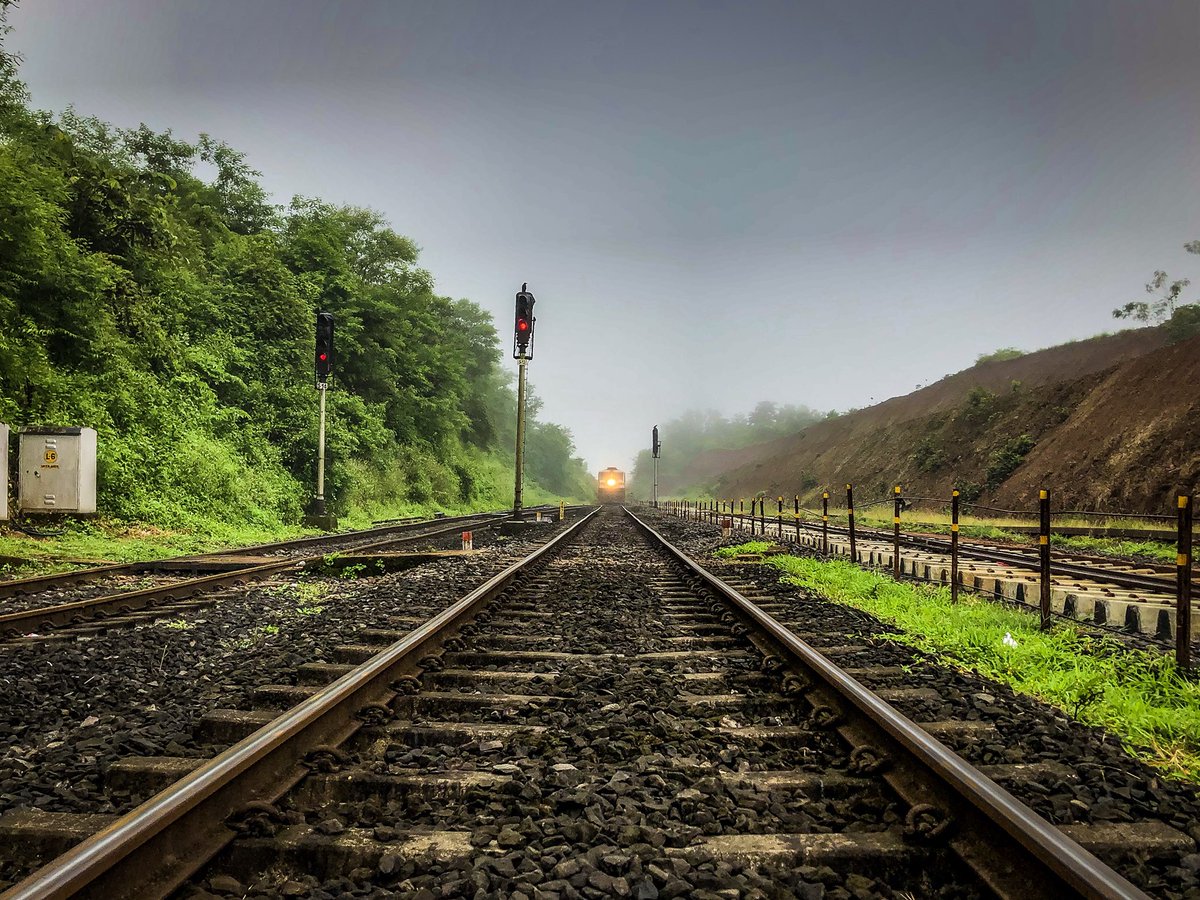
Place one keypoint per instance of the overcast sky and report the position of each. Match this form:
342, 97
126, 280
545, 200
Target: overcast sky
714, 203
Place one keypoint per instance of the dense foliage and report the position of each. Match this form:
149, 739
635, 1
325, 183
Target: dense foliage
150, 289
697, 431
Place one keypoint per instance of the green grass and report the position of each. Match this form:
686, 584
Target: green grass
1139, 696
1159, 551
96, 542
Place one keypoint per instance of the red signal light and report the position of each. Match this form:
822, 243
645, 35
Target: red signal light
522, 325
323, 357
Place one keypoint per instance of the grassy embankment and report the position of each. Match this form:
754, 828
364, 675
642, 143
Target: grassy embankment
1139, 696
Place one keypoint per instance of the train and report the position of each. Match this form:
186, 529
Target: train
610, 486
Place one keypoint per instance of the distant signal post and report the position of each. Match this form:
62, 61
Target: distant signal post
522, 353
655, 449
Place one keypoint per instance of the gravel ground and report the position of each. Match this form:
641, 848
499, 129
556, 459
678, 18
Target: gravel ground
1112, 785
615, 797
68, 710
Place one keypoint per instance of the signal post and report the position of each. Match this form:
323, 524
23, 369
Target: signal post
522, 353
318, 517
655, 449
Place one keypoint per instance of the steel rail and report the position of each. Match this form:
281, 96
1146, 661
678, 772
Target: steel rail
1016, 558
150, 851
1062, 863
64, 614
15, 586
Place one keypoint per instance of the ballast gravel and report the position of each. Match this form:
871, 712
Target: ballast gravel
615, 797
1110, 784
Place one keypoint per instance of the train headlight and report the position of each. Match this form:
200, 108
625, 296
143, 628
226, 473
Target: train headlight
612, 482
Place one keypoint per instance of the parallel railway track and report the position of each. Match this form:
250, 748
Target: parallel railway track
1135, 577
73, 612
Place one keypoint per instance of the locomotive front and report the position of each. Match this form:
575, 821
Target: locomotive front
610, 486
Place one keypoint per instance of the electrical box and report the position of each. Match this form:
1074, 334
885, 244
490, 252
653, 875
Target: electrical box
58, 470
3, 472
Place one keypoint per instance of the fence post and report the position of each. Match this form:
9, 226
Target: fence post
762, 516
825, 523
896, 567
954, 546
850, 516
779, 518
796, 512
1044, 541
1183, 585
753, 500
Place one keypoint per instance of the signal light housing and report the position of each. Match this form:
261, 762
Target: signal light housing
324, 350
523, 323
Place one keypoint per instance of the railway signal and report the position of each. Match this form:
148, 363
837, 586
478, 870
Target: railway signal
523, 324
324, 350
522, 353
655, 449
323, 364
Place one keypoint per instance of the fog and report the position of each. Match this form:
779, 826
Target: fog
715, 204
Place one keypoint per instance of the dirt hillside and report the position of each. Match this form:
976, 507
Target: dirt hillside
1108, 423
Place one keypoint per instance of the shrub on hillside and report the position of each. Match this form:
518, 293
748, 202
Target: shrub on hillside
1004, 460
999, 355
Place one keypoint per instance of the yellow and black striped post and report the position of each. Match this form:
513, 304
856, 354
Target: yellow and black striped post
1183, 584
1044, 542
954, 546
825, 523
896, 534
850, 516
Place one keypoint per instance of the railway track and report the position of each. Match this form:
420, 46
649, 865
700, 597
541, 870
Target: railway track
605, 717
1138, 599
168, 594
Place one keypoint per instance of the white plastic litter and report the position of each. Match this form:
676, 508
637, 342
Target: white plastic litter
1009, 640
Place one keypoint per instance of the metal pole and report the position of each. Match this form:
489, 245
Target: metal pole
753, 500
850, 516
825, 523
1044, 541
762, 516
779, 519
1183, 585
896, 567
320, 500
522, 362
656, 482
796, 511
954, 546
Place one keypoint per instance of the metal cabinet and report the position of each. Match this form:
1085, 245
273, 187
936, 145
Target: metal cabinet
58, 470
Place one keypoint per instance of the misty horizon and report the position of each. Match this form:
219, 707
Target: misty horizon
714, 206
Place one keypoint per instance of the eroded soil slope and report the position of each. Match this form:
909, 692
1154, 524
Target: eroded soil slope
1110, 423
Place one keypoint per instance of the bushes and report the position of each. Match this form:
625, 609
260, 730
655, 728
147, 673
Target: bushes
175, 316
1004, 460
999, 355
